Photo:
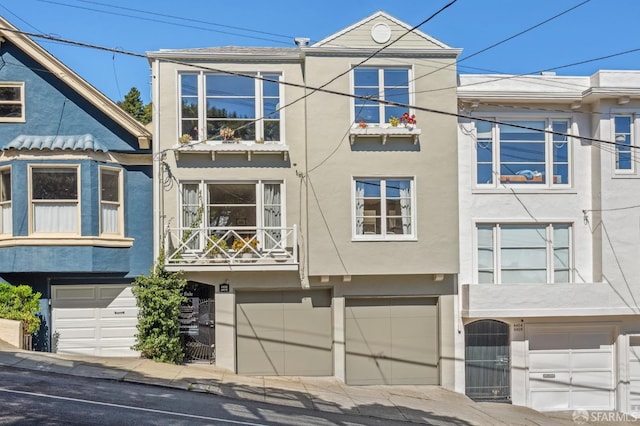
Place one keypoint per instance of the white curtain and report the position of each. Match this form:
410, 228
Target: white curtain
7, 223
405, 206
109, 219
359, 208
55, 217
272, 216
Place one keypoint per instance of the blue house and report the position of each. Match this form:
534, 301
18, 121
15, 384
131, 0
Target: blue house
76, 200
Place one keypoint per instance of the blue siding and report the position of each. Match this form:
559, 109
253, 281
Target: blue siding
52, 108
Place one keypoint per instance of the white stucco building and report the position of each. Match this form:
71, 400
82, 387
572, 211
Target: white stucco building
549, 237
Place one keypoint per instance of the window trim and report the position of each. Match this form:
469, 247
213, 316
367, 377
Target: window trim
497, 247
549, 160
259, 105
3, 231
120, 202
633, 142
77, 169
384, 236
381, 106
22, 118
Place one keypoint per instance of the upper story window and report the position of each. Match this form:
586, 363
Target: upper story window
391, 84
524, 254
55, 201
384, 208
245, 108
528, 152
6, 226
110, 201
623, 138
11, 102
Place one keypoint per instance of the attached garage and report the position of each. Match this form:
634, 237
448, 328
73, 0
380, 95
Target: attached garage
571, 368
284, 333
98, 320
391, 341
633, 371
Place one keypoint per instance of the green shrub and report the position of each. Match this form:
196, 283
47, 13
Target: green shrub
159, 297
20, 303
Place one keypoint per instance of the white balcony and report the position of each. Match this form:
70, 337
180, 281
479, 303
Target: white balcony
545, 300
241, 248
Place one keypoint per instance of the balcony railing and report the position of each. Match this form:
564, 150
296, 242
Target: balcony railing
240, 247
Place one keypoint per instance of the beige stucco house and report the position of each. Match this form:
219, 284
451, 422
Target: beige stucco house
319, 238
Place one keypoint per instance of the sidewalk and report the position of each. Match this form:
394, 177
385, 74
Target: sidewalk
420, 404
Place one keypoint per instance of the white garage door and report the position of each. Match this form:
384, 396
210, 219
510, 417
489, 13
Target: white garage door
634, 376
571, 368
98, 320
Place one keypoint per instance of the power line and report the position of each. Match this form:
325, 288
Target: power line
322, 89
169, 22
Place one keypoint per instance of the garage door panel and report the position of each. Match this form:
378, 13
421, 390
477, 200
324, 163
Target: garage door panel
591, 359
592, 399
592, 379
551, 401
550, 380
76, 333
549, 360
123, 312
548, 341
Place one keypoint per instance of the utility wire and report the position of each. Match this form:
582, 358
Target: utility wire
321, 89
167, 22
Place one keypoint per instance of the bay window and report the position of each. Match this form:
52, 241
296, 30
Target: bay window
6, 227
244, 108
529, 152
110, 201
383, 208
54, 199
521, 254
390, 83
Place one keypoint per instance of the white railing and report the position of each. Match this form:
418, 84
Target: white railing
222, 246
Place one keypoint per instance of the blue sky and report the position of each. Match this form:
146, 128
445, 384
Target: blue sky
594, 29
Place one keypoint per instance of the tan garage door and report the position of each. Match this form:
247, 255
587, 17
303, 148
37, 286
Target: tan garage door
391, 341
284, 333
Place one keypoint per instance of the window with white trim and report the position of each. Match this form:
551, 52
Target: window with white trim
248, 208
383, 208
11, 102
523, 254
523, 152
624, 141
110, 201
219, 106
6, 227
388, 83
55, 202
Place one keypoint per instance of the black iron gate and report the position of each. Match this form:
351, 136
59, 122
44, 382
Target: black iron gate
487, 364
198, 329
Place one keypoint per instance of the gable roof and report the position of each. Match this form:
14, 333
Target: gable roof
77, 83
331, 40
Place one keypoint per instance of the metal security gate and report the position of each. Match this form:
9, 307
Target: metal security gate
487, 365
198, 329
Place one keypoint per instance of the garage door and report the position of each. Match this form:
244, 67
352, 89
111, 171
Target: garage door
97, 320
284, 333
633, 370
571, 369
391, 341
